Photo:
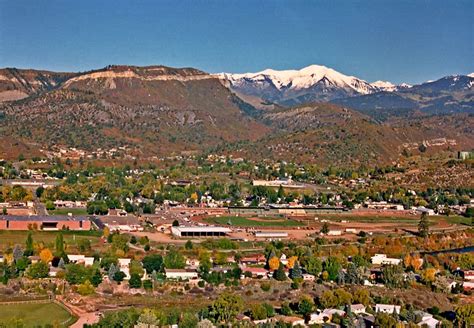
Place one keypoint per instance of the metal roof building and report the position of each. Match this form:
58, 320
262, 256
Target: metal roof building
200, 231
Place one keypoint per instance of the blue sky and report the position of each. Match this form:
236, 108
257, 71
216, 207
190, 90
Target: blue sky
399, 41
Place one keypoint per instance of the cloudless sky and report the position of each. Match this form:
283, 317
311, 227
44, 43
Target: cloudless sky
400, 41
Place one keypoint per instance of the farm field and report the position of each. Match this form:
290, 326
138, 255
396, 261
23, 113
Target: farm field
10, 238
32, 315
65, 211
253, 221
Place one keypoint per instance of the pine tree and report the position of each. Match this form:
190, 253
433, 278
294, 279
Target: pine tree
325, 228
295, 272
112, 271
29, 249
17, 253
423, 226
279, 273
59, 245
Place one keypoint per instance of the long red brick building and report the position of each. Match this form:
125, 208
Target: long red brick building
47, 223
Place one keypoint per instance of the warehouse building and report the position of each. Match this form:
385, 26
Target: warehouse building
39, 222
200, 231
271, 234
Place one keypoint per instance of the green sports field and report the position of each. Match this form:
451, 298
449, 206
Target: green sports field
253, 222
32, 315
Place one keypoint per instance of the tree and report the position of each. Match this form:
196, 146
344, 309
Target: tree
38, 270
50, 205
119, 276
258, 312
328, 299
59, 245
135, 281
17, 253
96, 278
314, 266
226, 307
423, 225
291, 261
273, 263
86, 288
188, 245
174, 260
279, 273
153, 262
45, 255
332, 266
325, 228
305, 305
295, 272
362, 296
175, 223
29, 248
465, 315
112, 271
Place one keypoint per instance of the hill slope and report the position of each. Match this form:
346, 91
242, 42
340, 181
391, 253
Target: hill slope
154, 109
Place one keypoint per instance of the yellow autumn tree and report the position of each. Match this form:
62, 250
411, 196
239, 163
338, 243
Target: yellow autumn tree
416, 262
106, 232
291, 262
46, 255
194, 197
429, 275
273, 263
407, 261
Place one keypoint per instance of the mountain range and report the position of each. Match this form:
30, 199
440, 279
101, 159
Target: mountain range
312, 115
379, 99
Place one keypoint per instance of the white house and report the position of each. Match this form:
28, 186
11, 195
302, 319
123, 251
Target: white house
335, 233
324, 316
79, 258
429, 322
308, 277
181, 274
383, 259
124, 266
357, 308
283, 259
387, 308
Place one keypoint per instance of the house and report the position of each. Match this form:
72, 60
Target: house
255, 272
124, 265
357, 308
334, 233
324, 316
293, 321
255, 259
181, 274
192, 263
308, 277
387, 308
87, 261
427, 320
468, 285
469, 275
383, 259
422, 209
283, 259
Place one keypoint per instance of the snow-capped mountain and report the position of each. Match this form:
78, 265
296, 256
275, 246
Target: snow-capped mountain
290, 87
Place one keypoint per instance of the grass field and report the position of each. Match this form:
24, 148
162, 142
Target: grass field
65, 211
250, 222
9, 238
32, 315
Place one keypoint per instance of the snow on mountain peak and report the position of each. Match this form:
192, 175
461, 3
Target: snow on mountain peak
471, 75
384, 85
303, 78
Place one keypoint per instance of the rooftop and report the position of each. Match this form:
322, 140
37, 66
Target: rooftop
43, 218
